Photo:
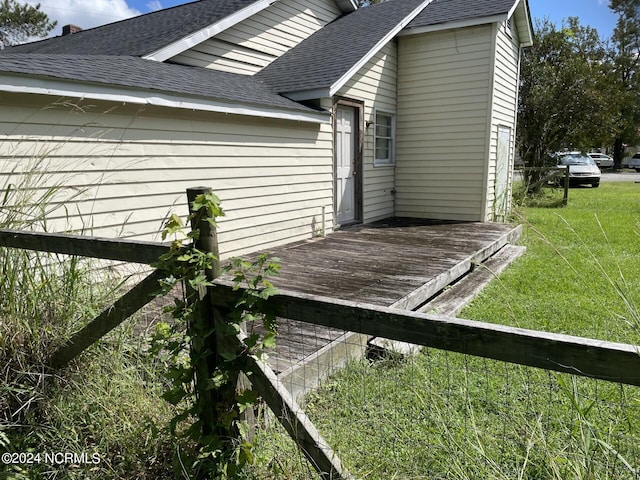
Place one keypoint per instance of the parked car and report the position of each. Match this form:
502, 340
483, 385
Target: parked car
602, 160
635, 162
582, 169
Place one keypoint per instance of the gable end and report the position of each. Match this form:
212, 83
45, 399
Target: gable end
208, 32
196, 38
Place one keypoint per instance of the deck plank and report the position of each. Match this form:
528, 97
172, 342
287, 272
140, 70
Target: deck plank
394, 262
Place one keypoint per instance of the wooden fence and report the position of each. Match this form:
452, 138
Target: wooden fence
579, 356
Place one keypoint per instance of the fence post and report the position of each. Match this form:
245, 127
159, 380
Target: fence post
201, 329
209, 345
208, 239
565, 198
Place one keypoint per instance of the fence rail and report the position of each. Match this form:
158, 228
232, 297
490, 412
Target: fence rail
591, 358
587, 357
132, 251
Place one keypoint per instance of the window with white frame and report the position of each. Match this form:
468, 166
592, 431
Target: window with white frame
384, 138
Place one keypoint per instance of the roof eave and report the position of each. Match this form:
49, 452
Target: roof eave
347, 6
520, 11
471, 22
305, 95
208, 32
522, 16
64, 88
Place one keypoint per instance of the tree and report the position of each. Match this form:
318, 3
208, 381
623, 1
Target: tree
19, 22
564, 93
625, 58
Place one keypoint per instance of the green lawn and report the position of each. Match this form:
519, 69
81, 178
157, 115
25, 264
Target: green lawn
579, 261
446, 415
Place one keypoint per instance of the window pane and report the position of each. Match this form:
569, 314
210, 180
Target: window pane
384, 138
382, 119
382, 154
383, 148
383, 131
382, 143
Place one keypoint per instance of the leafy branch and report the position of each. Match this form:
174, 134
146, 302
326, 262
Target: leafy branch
204, 350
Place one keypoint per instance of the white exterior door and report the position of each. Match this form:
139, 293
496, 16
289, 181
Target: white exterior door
501, 205
345, 181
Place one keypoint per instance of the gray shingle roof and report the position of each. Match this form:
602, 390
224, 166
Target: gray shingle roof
446, 11
110, 54
128, 71
140, 35
323, 58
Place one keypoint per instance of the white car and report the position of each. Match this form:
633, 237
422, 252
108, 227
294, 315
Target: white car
582, 169
635, 162
602, 160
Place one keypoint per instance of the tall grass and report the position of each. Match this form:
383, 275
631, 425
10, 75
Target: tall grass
33, 298
109, 402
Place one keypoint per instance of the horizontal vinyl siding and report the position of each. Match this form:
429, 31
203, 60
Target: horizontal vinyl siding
504, 104
124, 170
251, 45
375, 84
444, 86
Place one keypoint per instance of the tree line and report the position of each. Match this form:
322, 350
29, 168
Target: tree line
579, 91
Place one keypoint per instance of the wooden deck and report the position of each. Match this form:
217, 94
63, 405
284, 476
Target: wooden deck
399, 262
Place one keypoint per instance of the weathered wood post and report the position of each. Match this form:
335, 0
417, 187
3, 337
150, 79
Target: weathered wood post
210, 345
565, 198
208, 239
201, 328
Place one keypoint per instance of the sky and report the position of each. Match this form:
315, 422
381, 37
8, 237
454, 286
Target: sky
595, 13
92, 13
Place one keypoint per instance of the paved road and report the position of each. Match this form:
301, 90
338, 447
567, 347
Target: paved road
624, 176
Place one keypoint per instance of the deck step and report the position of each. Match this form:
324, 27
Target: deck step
438, 283
453, 299
461, 293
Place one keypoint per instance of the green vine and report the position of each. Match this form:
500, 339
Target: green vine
203, 350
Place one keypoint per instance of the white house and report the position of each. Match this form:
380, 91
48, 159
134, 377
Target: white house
302, 116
